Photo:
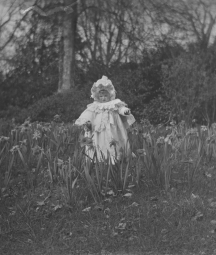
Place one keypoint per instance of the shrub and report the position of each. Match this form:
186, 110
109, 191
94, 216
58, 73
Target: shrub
68, 105
157, 111
5, 127
189, 85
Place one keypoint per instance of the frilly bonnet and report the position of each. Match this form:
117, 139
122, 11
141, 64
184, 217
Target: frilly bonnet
103, 84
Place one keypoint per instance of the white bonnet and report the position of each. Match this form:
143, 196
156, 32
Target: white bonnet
103, 84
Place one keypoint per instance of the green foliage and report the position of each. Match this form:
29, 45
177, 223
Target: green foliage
54, 147
137, 83
5, 126
165, 83
34, 76
28, 89
140, 84
189, 84
157, 111
68, 105
34, 67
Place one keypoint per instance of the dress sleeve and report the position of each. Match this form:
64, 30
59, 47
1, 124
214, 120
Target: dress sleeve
84, 117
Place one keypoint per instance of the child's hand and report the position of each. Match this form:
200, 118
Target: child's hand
127, 112
88, 126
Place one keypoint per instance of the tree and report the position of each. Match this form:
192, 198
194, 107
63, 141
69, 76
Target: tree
186, 20
113, 32
33, 72
66, 10
67, 57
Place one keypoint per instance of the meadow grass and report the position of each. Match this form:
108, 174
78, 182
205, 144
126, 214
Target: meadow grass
160, 201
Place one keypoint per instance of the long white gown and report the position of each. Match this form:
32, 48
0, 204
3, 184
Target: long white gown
109, 129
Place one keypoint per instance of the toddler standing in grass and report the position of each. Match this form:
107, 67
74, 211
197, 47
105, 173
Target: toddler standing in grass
106, 121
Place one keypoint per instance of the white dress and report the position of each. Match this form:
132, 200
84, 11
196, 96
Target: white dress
109, 128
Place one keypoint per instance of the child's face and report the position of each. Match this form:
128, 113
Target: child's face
104, 96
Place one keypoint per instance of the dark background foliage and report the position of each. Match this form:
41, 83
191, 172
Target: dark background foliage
29, 89
166, 81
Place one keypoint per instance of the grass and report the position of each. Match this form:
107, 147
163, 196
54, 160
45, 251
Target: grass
52, 203
151, 221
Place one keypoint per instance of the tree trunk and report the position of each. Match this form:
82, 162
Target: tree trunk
67, 58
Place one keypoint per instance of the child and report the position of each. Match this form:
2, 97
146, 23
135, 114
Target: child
106, 121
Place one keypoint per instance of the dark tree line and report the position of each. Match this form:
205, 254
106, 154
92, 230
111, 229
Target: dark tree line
64, 44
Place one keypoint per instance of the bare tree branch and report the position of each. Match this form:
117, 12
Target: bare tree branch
194, 17
17, 26
68, 9
10, 12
